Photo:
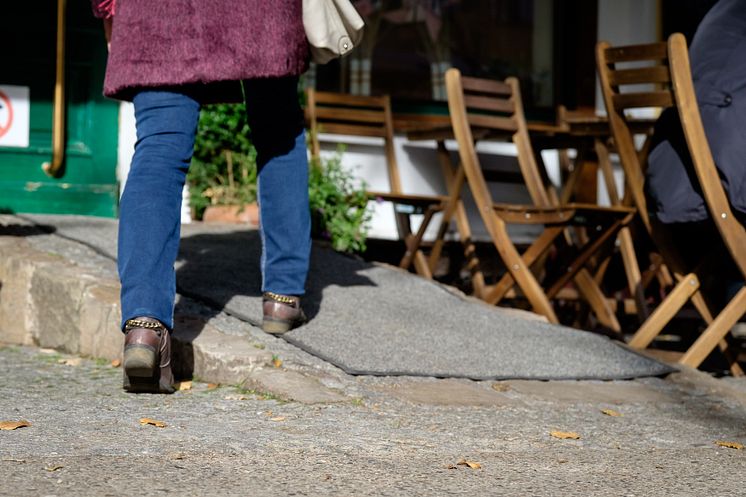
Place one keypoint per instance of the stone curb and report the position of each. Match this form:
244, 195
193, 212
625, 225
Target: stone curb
47, 301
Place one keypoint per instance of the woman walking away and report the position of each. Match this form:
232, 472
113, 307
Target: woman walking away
169, 57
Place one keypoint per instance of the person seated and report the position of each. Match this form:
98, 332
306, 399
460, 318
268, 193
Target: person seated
718, 64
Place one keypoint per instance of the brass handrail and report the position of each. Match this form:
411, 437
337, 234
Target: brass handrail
54, 168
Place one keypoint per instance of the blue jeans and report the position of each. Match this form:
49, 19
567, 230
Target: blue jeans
149, 226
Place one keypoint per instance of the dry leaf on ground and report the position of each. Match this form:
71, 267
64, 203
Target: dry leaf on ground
153, 422
184, 385
565, 435
278, 418
236, 397
501, 387
471, 464
212, 386
72, 361
276, 362
13, 425
729, 445
116, 363
611, 412
53, 468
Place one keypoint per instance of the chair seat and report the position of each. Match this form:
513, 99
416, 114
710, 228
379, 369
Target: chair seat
401, 198
575, 214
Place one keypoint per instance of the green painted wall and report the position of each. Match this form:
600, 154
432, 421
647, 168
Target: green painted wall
89, 184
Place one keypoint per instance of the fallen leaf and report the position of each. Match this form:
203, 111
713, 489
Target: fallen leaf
53, 468
212, 386
276, 362
501, 387
153, 422
116, 363
48, 351
611, 412
13, 425
471, 464
236, 397
565, 435
277, 418
184, 385
73, 361
729, 445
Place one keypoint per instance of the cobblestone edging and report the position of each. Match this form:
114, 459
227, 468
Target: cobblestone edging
47, 301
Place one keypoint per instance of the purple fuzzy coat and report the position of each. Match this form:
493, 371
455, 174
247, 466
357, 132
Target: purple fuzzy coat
203, 45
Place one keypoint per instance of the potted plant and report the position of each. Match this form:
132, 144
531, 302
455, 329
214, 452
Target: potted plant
222, 182
222, 177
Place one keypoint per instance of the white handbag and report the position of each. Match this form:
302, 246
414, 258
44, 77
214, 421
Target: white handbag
333, 28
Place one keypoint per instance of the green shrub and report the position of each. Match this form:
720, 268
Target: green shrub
223, 171
339, 208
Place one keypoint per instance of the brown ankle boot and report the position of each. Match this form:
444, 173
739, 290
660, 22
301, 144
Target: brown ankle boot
147, 356
282, 313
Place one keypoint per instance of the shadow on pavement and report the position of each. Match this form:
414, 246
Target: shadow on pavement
222, 270
25, 230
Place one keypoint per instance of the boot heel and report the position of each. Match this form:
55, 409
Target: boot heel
139, 362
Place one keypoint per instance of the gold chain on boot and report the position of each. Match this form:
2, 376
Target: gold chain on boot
141, 323
283, 299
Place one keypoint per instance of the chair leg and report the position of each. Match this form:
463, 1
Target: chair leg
587, 251
714, 333
632, 271
413, 243
534, 252
590, 290
675, 300
520, 271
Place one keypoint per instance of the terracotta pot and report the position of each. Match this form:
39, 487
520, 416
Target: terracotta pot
238, 214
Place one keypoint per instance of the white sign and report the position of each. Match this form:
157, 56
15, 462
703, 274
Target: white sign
14, 116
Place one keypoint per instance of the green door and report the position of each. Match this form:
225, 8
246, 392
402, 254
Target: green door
88, 183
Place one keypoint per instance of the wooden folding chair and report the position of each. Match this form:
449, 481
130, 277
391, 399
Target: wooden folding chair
482, 108
353, 115
657, 92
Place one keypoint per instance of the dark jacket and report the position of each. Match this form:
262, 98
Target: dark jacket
204, 45
718, 61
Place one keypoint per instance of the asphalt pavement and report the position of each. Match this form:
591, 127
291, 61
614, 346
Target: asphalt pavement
396, 436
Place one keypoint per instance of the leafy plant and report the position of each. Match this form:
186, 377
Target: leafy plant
223, 169
339, 210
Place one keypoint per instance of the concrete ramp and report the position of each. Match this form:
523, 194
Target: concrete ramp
376, 320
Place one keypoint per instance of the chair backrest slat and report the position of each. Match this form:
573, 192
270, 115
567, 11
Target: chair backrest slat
638, 100
633, 53
486, 86
350, 115
641, 75
492, 122
489, 104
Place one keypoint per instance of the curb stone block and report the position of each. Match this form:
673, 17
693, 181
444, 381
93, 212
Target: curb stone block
292, 386
16, 314
202, 351
100, 315
57, 293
